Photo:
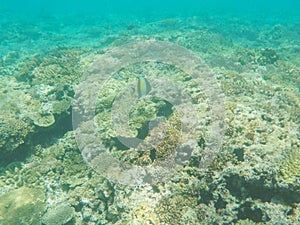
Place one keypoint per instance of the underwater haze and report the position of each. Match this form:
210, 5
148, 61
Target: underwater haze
145, 7
149, 112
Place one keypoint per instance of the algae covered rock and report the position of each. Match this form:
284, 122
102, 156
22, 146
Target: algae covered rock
22, 206
58, 215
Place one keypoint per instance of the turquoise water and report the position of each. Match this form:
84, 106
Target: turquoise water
149, 112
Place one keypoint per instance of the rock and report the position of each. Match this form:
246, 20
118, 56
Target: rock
58, 215
22, 206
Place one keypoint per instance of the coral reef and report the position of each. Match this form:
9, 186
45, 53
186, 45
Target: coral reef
254, 178
262, 57
13, 134
17, 105
175, 210
267, 56
37, 95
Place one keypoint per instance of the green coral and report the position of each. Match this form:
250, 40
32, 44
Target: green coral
142, 112
263, 56
58, 67
267, 56
171, 210
36, 93
233, 84
194, 40
163, 147
62, 106
47, 162
108, 93
78, 182
16, 103
246, 56
50, 79
223, 160
13, 134
290, 169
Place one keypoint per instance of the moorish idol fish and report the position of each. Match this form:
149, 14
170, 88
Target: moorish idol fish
143, 86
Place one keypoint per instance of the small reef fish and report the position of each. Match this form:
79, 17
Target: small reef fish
143, 86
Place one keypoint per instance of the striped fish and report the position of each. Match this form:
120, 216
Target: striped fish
143, 86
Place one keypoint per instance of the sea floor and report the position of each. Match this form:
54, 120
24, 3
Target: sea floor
253, 176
